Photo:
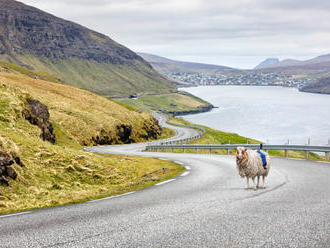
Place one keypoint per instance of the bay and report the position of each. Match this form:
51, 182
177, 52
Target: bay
271, 114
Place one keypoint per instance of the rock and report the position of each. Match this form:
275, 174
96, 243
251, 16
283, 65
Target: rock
124, 132
6, 161
4, 181
37, 114
19, 161
11, 173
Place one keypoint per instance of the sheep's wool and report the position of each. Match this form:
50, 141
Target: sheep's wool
251, 166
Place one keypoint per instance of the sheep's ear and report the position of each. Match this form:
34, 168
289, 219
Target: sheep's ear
245, 149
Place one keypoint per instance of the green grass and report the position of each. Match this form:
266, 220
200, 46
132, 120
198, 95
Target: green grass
63, 173
30, 73
213, 136
174, 102
102, 78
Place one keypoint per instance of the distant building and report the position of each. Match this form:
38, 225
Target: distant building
133, 96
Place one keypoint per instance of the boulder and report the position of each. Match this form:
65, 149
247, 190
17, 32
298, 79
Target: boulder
6, 170
37, 114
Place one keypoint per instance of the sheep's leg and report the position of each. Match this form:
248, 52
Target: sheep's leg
263, 182
247, 183
254, 183
258, 181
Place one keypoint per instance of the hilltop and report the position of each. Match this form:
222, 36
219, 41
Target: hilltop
267, 62
77, 55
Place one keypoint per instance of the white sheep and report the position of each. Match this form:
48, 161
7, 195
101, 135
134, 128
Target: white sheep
250, 165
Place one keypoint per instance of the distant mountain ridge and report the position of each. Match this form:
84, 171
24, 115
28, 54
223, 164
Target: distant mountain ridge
78, 55
318, 62
165, 65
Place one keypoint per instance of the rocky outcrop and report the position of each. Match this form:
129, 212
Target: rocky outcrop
124, 133
153, 130
6, 170
37, 114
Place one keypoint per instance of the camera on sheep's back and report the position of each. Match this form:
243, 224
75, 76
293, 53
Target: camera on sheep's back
252, 164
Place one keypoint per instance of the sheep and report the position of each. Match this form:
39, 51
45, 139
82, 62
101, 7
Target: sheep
250, 165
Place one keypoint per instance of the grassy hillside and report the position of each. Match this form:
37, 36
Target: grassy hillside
61, 173
102, 78
171, 103
213, 136
77, 55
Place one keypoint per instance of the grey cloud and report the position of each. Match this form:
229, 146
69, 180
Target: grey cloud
207, 31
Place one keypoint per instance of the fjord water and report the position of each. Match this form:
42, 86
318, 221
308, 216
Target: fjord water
267, 113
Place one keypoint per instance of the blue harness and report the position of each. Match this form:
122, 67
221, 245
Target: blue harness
263, 158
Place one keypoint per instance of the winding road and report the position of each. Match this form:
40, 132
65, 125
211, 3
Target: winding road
206, 206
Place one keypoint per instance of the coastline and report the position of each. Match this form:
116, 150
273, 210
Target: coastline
195, 111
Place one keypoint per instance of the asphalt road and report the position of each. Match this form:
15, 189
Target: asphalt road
206, 206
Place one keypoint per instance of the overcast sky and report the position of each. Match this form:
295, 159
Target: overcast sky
236, 33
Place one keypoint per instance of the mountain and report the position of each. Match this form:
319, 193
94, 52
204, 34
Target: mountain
79, 56
267, 62
165, 65
317, 63
320, 86
319, 59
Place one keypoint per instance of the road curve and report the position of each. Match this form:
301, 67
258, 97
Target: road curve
206, 206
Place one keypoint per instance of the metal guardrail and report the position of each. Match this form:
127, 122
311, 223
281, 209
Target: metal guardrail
202, 132
306, 148
177, 144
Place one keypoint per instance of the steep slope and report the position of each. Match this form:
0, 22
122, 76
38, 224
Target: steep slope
164, 65
43, 126
79, 56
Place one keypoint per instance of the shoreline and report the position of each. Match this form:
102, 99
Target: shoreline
195, 111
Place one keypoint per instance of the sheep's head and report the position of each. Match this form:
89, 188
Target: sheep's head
240, 153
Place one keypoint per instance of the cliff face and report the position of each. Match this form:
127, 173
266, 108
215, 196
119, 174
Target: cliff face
29, 32
25, 29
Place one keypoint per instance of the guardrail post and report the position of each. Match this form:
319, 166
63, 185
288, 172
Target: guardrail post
196, 150
227, 151
184, 150
327, 155
210, 150
286, 153
307, 152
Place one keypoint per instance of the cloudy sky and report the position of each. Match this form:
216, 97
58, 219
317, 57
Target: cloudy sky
237, 33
